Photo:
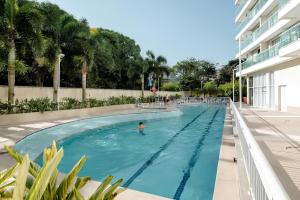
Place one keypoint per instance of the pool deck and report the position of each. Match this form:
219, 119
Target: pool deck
278, 135
226, 185
15, 130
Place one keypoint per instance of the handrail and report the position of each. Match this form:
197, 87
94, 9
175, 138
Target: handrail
264, 183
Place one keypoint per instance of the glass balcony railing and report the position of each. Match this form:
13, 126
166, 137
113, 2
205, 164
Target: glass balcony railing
240, 7
282, 3
269, 23
286, 38
251, 14
262, 56
290, 36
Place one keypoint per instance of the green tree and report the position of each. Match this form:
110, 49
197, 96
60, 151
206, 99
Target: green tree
82, 46
193, 73
226, 89
116, 57
225, 74
210, 87
170, 86
19, 23
57, 27
157, 66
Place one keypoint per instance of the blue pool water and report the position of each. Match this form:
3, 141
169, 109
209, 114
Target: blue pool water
177, 156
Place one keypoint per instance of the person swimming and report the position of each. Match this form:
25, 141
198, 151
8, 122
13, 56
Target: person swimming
141, 127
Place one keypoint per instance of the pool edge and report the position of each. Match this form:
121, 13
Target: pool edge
226, 183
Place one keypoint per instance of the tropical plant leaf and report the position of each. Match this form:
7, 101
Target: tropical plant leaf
64, 186
19, 190
33, 169
77, 195
81, 182
110, 192
8, 173
42, 180
7, 184
99, 192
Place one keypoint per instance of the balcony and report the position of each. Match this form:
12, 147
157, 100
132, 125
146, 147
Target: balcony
269, 23
262, 56
240, 7
289, 9
286, 39
290, 42
251, 14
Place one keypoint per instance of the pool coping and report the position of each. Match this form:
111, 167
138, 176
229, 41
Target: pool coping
226, 183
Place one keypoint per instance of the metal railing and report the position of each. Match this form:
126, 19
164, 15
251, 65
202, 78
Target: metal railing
264, 183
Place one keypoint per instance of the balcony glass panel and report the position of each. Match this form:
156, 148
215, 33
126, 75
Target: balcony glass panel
252, 13
240, 7
262, 56
290, 36
269, 23
282, 3
286, 38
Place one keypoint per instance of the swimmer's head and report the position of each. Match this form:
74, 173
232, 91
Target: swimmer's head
141, 123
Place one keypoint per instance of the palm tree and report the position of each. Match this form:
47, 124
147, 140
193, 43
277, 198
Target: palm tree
87, 44
19, 23
58, 26
138, 67
157, 65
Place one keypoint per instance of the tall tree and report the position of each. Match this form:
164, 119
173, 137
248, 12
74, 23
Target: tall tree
225, 74
158, 66
84, 45
57, 27
193, 73
19, 23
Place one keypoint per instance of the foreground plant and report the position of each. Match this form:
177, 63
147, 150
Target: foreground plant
27, 180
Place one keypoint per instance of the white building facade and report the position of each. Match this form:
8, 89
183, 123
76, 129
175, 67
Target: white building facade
268, 34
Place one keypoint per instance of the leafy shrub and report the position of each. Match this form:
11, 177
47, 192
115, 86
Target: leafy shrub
27, 180
174, 97
45, 104
225, 89
210, 87
170, 86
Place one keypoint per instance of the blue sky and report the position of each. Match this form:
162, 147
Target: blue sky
177, 29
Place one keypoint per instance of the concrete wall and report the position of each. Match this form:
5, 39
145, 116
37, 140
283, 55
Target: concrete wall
289, 77
285, 74
27, 92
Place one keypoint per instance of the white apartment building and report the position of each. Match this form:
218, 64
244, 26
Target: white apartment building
268, 34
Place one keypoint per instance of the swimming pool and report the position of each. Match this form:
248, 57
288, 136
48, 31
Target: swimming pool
176, 157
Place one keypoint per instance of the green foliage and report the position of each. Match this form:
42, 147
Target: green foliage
174, 97
45, 104
210, 87
41, 31
170, 86
226, 71
226, 89
27, 180
194, 73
